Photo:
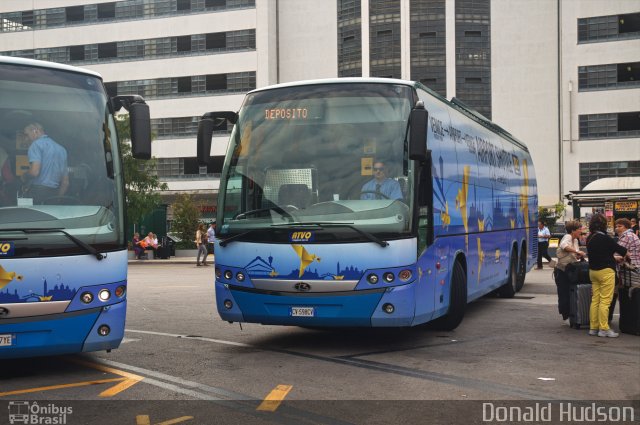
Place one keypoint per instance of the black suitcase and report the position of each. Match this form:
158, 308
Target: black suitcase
579, 305
578, 272
163, 252
629, 310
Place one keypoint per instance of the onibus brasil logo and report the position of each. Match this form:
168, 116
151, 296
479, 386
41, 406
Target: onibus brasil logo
27, 412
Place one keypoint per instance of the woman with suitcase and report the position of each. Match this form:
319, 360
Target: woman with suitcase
568, 252
602, 272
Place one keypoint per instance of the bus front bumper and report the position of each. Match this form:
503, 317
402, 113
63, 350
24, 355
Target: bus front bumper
64, 333
341, 309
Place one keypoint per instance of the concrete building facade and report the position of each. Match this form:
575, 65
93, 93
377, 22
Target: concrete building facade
560, 75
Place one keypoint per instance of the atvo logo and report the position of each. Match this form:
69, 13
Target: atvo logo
301, 236
6, 248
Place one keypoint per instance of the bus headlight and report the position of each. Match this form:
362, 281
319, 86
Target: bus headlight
104, 330
86, 297
228, 274
120, 290
228, 304
388, 308
218, 273
240, 277
372, 279
104, 295
388, 277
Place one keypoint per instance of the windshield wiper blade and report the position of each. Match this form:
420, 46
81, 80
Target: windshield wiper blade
275, 208
224, 242
91, 250
321, 224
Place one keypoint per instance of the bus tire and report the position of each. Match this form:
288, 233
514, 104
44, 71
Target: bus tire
457, 301
522, 269
508, 290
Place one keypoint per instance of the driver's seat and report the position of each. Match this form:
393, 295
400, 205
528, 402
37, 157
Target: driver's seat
297, 194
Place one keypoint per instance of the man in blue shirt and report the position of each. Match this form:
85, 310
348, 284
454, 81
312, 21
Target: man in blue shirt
381, 187
47, 165
543, 244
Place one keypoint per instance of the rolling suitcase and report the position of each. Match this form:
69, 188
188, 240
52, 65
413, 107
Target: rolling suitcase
579, 305
163, 252
578, 272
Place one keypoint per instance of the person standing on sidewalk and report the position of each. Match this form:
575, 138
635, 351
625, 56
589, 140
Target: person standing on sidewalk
201, 242
602, 273
211, 237
543, 245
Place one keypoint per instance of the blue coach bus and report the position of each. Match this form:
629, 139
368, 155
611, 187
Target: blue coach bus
308, 236
63, 257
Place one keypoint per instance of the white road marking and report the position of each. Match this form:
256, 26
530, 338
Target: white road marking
200, 338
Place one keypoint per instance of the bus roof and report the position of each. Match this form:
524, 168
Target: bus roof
454, 103
43, 64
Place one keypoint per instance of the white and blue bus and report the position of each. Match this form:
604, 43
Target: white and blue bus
308, 236
63, 255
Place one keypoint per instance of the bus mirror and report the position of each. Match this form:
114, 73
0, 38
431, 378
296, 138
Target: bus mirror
140, 123
208, 123
205, 133
418, 134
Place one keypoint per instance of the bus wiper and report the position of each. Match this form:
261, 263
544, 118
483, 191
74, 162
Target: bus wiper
321, 225
275, 208
91, 250
224, 242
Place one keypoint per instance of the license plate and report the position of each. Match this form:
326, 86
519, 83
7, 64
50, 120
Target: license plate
303, 312
5, 340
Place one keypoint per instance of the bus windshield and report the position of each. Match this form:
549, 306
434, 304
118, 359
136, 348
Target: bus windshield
71, 110
328, 155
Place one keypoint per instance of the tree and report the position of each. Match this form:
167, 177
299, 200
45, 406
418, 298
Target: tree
549, 215
185, 220
140, 180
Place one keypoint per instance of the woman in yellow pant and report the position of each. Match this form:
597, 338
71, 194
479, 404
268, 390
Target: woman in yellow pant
602, 273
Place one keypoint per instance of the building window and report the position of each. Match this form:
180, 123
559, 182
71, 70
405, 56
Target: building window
216, 82
349, 39
612, 27
74, 13
215, 3
216, 40
183, 5
473, 54
111, 88
184, 85
107, 50
609, 126
183, 44
592, 171
107, 10
610, 76
76, 53
27, 18
428, 44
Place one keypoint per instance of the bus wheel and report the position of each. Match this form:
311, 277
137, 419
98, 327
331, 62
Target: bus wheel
522, 267
457, 301
508, 290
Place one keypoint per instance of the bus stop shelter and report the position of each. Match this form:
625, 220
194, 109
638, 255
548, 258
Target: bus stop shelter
616, 197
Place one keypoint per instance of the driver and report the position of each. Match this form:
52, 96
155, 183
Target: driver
381, 187
47, 165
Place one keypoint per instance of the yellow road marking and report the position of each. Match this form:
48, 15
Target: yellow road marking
275, 397
56, 387
145, 420
129, 380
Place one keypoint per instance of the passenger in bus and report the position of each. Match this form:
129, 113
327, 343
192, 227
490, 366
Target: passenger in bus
48, 169
381, 187
6, 180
